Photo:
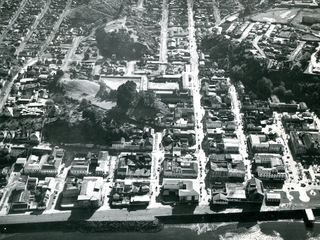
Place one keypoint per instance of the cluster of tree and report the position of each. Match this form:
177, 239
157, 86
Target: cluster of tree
119, 43
97, 126
106, 94
253, 72
5, 157
219, 47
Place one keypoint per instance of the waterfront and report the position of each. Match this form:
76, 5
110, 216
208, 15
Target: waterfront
287, 230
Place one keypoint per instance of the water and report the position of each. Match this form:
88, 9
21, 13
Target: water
286, 230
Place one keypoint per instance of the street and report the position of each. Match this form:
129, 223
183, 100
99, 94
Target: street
163, 36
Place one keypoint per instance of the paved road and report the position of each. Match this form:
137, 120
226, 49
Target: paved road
33, 27
7, 88
13, 19
164, 36
67, 59
198, 109
235, 107
256, 46
296, 51
246, 31
55, 28
216, 13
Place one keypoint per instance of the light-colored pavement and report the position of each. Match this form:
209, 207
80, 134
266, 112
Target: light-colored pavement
7, 88
55, 28
256, 46
72, 49
198, 109
235, 108
32, 28
269, 31
216, 13
246, 31
13, 19
163, 36
296, 51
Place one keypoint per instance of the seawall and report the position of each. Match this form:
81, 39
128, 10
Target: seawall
88, 226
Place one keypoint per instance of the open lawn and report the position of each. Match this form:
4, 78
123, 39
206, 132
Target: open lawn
79, 89
277, 15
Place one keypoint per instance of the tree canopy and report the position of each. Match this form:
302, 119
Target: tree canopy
119, 43
127, 95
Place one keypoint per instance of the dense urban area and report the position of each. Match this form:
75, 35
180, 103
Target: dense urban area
168, 107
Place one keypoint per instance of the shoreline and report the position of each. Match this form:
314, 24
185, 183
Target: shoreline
155, 225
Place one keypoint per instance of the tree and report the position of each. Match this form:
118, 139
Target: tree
60, 73
127, 95
84, 103
264, 87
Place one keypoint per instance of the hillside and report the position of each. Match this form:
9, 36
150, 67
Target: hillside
96, 10
78, 89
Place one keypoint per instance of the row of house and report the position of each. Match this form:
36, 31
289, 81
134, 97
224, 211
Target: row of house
252, 192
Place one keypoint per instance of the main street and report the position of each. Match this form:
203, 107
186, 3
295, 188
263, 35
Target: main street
198, 110
235, 107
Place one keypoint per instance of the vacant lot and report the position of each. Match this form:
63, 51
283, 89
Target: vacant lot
277, 15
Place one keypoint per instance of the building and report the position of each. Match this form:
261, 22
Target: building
53, 164
304, 143
103, 164
231, 145
226, 167
269, 166
134, 165
35, 162
310, 20
90, 192
80, 165
127, 193
180, 191
176, 168
273, 197
259, 143
250, 192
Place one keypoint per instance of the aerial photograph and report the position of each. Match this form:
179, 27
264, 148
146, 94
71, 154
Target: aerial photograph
160, 119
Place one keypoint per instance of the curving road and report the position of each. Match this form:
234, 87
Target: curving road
7, 88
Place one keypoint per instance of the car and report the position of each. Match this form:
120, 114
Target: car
302, 185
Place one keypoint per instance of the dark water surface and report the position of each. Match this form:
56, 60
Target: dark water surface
287, 230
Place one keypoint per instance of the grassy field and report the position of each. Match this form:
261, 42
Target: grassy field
277, 15
79, 89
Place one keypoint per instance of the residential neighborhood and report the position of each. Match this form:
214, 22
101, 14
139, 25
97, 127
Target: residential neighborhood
161, 118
